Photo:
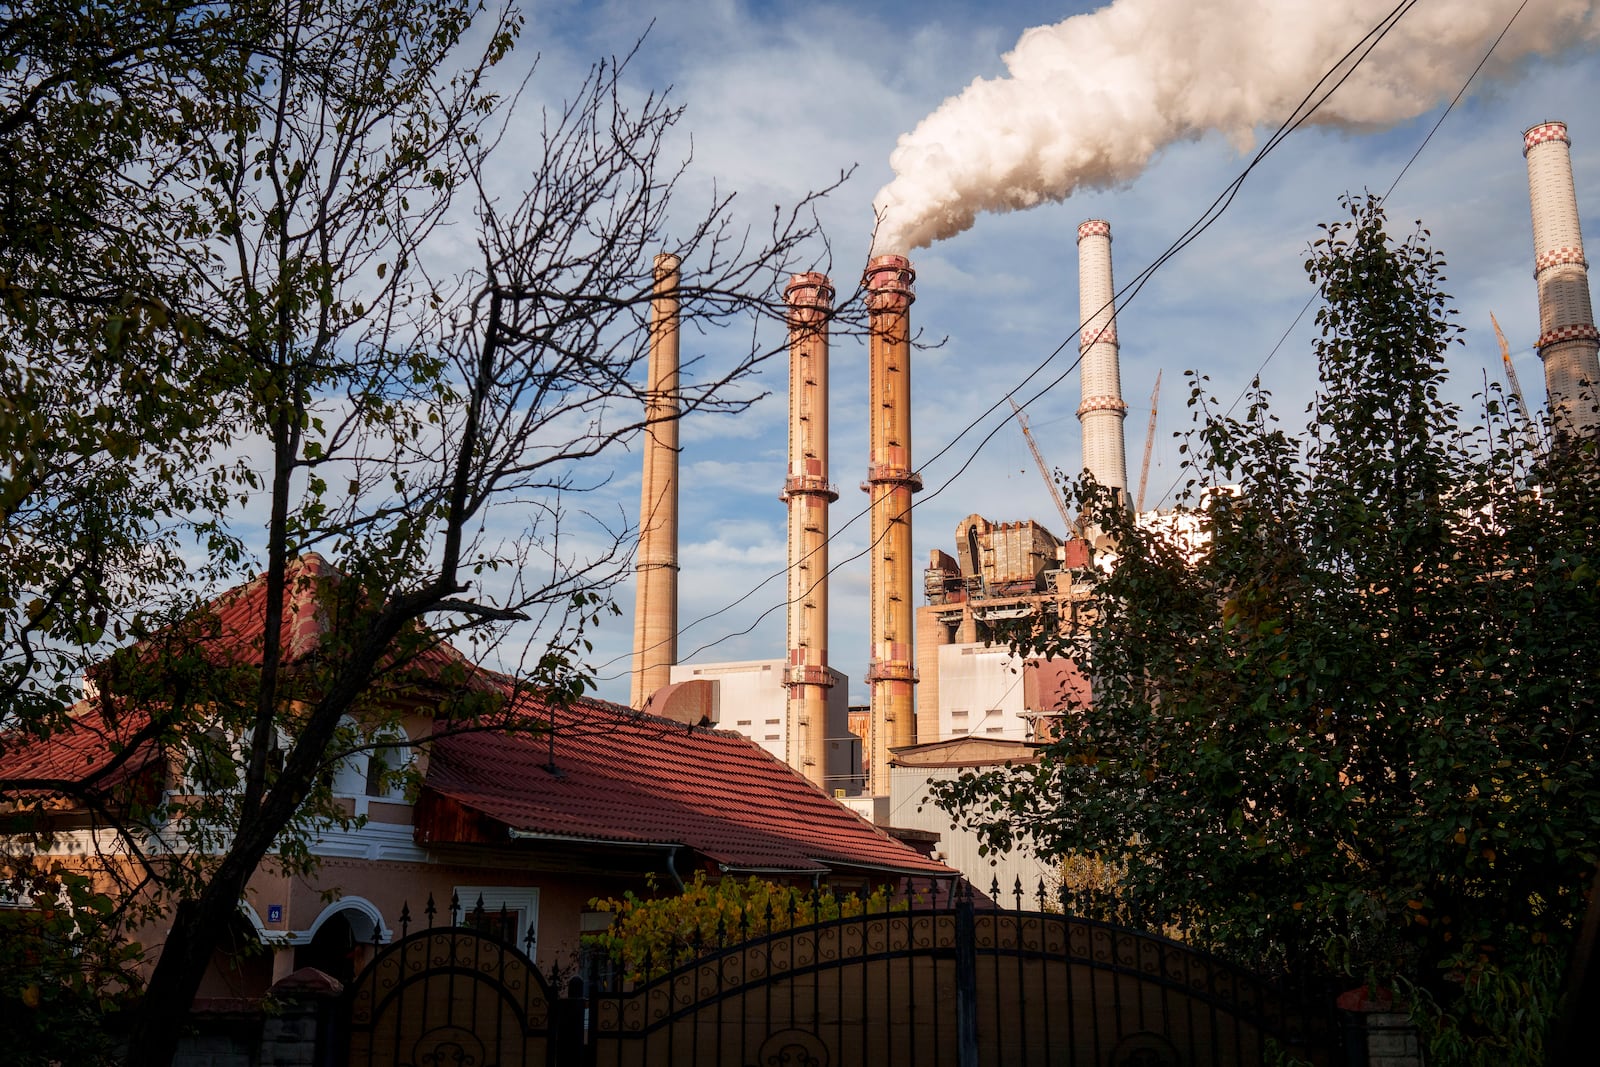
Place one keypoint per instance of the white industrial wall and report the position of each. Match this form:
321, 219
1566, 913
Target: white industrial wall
911, 808
981, 693
750, 699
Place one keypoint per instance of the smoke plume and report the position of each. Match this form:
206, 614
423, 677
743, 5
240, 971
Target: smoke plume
1090, 100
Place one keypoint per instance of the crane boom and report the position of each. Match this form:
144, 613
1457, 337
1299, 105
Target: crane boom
1044, 468
1516, 386
1511, 372
1149, 443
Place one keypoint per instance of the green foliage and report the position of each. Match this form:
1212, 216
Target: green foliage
64, 971
1503, 1014
651, 935
1355, 729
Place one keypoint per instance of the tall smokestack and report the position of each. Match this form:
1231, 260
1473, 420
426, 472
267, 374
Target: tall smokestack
808, 494
1568, 342
890, 483
655, 614
1101, 410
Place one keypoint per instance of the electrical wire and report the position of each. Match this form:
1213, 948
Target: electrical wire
1256, 377
1302, 112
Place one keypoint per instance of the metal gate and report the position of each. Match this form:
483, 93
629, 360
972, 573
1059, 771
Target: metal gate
960, 985
451, 996
940, 982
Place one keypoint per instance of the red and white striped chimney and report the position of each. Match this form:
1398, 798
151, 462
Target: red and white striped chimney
808, 494
1568, 342
1101, 410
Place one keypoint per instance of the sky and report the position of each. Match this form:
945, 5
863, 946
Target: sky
780, 98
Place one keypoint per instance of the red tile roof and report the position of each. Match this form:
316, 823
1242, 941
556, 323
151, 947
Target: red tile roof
625, 777
78, 752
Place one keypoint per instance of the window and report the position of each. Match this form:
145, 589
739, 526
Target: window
511, 913
384, 766
213, 765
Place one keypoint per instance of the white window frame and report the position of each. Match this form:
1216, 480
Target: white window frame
521, 901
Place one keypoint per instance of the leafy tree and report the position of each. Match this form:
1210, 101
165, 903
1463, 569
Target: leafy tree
282, 341
1353, 725
651, 935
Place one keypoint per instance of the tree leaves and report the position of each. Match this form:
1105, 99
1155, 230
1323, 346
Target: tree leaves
1360, 716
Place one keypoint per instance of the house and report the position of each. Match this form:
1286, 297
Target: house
556, 806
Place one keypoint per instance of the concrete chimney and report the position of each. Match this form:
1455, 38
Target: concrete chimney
1568, 342
890, 482
808, 494
1101, 410
655, 614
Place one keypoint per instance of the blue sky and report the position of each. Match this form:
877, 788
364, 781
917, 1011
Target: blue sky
781, 97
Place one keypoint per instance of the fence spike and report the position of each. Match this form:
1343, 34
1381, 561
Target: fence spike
793, 907
528, 942
478, 912
1042, 896
430, 911
455, 908
1016, 892
405, 918
994, 889
722, 931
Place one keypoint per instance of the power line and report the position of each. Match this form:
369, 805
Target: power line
1256, 378
1302, 112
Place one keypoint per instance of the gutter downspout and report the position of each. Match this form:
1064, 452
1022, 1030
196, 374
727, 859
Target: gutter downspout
672, 868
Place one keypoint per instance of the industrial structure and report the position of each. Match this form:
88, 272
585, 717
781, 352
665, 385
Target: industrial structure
1101, 410
655, 613
891, 479
945, 670
1005, 579
1568, 341
808, 493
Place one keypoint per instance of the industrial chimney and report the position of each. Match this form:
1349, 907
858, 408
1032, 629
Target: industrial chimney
890, 483
808, 494
1568, 342
655, 616
1101, 410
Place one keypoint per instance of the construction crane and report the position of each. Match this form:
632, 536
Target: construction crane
1516, 386
1149, 444
1511, 372
1044, 469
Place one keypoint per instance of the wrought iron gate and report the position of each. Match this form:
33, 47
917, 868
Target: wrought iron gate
960, 985
451, 996
938, 983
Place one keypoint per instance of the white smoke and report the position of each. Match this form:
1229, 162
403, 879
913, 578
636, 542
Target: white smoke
1090, 100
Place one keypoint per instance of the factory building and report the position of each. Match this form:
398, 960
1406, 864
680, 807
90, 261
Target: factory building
940, 666
1006, 579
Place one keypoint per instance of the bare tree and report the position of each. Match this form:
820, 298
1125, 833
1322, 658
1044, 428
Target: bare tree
430, 431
